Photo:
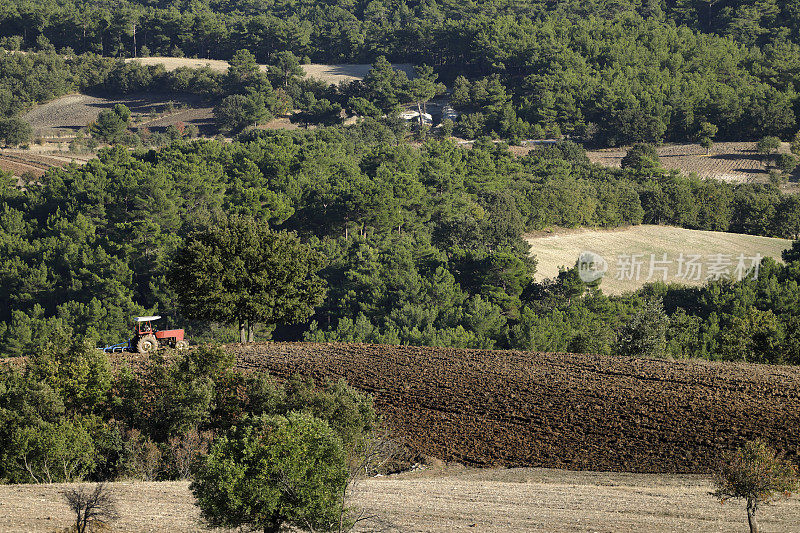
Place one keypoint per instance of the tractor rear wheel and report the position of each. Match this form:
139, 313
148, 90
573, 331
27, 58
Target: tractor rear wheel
147, 344
181, 345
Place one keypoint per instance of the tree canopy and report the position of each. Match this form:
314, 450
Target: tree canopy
239, 271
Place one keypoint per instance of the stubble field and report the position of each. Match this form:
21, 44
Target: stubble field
60, 119
618, 246
445, 500
332, 74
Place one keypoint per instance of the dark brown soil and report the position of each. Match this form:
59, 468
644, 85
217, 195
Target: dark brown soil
581, 412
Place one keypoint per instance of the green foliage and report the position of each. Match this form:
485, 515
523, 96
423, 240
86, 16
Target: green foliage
239, 271
756, 474
237, 111
111, 124
768, 145
285, 70
786, 163
80, 374
15, 131
421, 245
322, 112
278, 471
706, 135
641, 156
61, 451
645, 335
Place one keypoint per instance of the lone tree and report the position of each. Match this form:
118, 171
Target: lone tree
281, 471
767, 147
111, 123
237, 111
95, 508
756, 474
641, 156
242, 272
706, 135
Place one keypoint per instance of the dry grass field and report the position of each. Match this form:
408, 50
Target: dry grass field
562, 248
735, 162
61, 118
450, 499
327, 73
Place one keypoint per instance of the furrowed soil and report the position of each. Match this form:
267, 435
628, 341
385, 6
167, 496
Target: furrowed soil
436, 500
578, 412
734, 162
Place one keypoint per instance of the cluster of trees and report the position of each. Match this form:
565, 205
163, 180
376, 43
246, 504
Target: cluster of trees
420, 245
629, 72
66, 416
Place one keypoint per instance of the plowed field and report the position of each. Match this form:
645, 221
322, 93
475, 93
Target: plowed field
581, 412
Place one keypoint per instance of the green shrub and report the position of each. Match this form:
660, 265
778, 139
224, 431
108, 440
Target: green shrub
279, 471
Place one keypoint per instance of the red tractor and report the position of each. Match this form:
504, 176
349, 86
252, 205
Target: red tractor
147, 339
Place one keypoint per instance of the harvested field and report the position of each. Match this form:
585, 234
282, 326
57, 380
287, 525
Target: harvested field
19, 162
447, 500
735, 162
617, 246
327, 73
18, 168
579, 412
68, 114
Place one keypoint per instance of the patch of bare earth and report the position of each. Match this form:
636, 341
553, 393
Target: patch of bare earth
734, 162
490, 500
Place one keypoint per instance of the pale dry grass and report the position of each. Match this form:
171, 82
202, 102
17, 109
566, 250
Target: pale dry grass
327, 73
562, 248
492, 500
63, 117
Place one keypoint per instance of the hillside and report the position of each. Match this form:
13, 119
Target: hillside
581, 412
562, 249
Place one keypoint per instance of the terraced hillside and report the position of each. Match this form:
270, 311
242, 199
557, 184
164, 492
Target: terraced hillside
581, 412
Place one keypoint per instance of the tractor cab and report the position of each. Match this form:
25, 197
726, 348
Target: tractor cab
144, 325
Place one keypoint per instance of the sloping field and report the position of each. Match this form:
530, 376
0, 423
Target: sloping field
20, 162
445, 501
68, 114
618, 247
579, 412
327, 73
736, 162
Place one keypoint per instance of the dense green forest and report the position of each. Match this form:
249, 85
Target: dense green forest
422, 245
605, 72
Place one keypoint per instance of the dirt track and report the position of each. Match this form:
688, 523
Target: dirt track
580, 412
433, 501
